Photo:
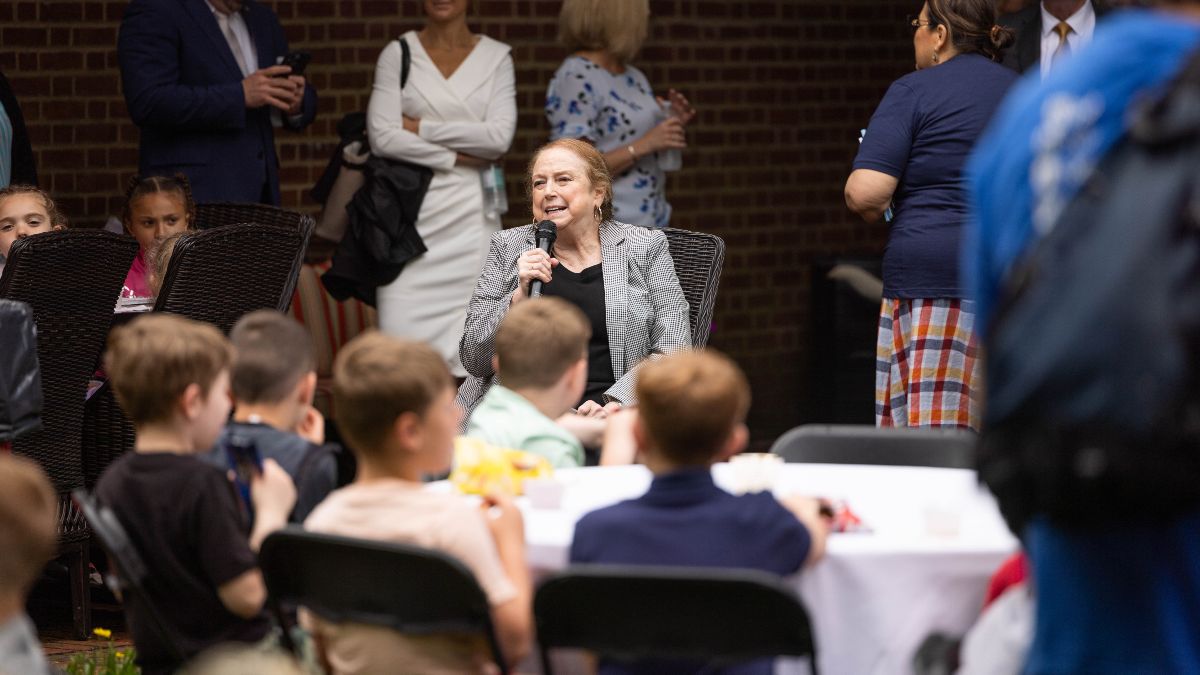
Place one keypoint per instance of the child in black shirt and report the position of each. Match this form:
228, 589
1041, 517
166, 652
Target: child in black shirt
171, 377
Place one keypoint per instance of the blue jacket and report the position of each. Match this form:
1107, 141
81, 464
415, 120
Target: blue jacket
183, 90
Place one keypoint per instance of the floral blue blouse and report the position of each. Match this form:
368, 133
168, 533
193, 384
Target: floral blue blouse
586, 101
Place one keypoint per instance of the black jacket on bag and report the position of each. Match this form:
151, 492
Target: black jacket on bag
382, 235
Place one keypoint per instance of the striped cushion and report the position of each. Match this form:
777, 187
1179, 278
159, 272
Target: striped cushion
331, 324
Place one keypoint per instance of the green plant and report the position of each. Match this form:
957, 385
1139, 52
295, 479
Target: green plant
107, 661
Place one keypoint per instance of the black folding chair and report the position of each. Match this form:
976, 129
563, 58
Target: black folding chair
720, 616
409, 589
865, 444
127, 572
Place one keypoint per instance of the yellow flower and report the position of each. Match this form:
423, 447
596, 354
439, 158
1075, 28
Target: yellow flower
120, 655
102, 632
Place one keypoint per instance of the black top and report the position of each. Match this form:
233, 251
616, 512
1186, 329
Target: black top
183, 518
585, 290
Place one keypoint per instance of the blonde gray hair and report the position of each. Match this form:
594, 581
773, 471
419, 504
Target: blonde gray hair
618, 27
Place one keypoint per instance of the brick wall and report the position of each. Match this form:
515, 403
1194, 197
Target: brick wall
782, 87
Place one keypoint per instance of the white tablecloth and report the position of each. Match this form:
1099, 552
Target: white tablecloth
935, 540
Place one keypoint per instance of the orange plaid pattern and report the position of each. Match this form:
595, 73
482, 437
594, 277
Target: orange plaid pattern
927, 370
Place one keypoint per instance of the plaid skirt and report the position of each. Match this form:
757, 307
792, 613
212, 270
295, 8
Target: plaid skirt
927, 371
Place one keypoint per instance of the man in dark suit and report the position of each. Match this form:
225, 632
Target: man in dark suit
200, 82
1041, 39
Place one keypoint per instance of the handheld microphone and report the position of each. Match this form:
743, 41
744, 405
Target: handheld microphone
547, 232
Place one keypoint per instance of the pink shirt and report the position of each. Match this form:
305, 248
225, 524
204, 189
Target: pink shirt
137, 282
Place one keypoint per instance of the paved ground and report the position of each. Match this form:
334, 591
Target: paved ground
50, 610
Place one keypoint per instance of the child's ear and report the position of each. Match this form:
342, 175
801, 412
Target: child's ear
495, 363
306, 388
736, 442
407, 431
639, 434
191, 401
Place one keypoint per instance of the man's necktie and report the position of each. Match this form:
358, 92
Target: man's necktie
1064, 48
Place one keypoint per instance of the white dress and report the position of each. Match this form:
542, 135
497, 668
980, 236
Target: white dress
473, 111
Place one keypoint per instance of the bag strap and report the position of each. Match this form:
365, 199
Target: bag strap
405, 61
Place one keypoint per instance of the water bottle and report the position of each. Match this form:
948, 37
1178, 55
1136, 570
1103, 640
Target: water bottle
495, 197
672, 158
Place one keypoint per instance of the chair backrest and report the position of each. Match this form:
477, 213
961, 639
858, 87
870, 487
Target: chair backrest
219, 274
220, 214
698, 259
71, 279
130, 571
406, 588
632, 612
20, 376
866, 444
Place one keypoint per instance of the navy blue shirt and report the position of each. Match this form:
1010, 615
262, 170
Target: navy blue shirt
921, 134
313, 468
684, 519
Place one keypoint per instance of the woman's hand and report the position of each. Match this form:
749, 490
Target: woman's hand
680, 107
533, 264
667, 135
593, 409
470, 161
412, 124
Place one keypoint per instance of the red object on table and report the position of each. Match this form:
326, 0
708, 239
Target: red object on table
1011, 572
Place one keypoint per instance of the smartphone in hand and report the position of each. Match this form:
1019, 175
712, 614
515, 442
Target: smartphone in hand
245, 462
297, 60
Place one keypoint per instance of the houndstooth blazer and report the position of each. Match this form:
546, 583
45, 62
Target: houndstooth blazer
644, 307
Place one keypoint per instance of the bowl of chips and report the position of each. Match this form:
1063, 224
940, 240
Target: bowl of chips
481, 468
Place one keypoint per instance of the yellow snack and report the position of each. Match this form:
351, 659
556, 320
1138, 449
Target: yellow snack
480, 468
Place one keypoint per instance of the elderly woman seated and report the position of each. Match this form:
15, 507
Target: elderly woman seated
621, 276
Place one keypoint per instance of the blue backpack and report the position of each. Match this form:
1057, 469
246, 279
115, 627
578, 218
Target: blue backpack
1093, 409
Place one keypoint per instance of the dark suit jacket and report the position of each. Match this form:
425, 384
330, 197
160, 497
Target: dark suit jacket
24, 168
1026, 52
183, 90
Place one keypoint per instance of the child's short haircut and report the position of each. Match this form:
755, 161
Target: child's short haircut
160, 259
377, 378
273, 353
57, 218
28, 515
152, 360
538, 340
689, 403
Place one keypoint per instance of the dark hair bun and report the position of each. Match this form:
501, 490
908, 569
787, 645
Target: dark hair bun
1002, 37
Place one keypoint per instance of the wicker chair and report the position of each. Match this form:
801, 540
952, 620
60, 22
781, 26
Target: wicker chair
219, 214
72, 280
698, 260
217, 275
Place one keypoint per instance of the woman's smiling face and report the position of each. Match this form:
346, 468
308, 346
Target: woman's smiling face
561, 191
